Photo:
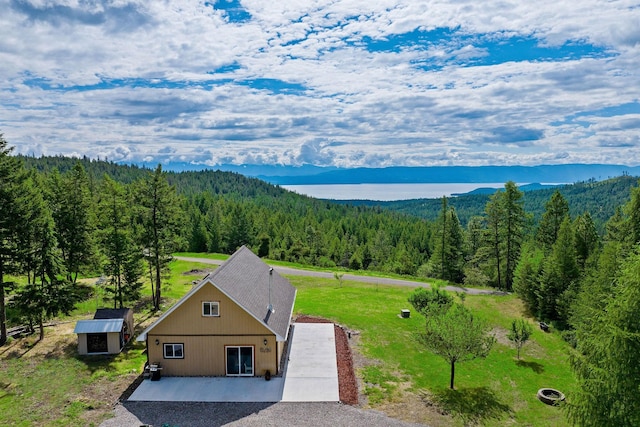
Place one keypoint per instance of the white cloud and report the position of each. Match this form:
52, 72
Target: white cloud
136, 80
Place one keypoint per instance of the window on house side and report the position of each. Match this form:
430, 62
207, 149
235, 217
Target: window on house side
210, 308
173, 351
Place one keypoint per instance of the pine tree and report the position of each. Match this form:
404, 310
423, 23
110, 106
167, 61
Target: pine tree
46, 293
12, 212
514, 229
560, 271
447, 259
632, 212
607, 359
123, 265
527, 278
556, 210
493, 238
71, 203
587, 238
161, 219
240, 229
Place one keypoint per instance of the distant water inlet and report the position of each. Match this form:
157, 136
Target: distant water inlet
387, 192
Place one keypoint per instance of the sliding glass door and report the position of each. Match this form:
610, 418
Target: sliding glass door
239, 361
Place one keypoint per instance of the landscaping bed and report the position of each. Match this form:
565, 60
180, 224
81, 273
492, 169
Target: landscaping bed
348, 386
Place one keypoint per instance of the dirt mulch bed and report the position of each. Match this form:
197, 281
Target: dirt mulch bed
347, 383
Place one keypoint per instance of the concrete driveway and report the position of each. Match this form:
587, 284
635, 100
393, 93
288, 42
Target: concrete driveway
311, 375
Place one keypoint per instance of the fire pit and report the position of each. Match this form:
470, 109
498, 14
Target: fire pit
550, 396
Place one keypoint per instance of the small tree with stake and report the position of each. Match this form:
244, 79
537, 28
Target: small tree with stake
519, 333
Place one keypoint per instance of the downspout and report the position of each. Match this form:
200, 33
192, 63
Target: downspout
146, 341
277, 352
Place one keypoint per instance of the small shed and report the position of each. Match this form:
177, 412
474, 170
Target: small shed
106, 333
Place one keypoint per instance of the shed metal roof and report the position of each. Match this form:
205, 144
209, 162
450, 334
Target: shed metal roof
98, 325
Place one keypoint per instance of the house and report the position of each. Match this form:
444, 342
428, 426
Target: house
235, 322
106, 333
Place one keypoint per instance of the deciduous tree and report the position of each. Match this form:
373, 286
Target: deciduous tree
519, 333
430, 301
457, 336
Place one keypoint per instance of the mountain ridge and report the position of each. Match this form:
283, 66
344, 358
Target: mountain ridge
311, 174
546, 174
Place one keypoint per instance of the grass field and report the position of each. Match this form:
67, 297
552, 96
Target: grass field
45, 383
497, 390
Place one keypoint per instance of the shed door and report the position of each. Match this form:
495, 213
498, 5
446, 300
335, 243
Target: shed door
240, 361
97, 343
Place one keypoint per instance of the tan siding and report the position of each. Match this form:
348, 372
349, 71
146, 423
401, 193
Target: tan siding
205, 355
113, 342
82, 344
205, 338
233, 320
280, 347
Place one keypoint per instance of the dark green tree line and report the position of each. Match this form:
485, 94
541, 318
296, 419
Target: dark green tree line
13, 197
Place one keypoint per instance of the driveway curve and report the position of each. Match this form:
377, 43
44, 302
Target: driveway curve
354, 277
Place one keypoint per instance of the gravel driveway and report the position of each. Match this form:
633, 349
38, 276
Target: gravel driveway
193, 414
366, 279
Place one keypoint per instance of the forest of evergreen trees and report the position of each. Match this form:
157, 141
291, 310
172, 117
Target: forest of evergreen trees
61, 218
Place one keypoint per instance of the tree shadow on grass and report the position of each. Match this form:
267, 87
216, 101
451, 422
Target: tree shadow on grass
474, 406
535, 366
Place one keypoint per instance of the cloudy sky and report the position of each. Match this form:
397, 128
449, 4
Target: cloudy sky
325, 82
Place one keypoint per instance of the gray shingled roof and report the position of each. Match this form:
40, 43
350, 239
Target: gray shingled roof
111, 313
246, 279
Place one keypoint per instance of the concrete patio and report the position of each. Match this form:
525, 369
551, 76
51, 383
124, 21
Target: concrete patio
311, 375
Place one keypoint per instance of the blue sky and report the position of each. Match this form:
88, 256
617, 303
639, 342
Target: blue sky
330, 83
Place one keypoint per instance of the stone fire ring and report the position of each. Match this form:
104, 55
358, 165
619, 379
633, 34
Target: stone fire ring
550, 396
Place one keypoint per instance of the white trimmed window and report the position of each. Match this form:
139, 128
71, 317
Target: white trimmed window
210, 308
174, 351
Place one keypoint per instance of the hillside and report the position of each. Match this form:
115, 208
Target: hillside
230, 184
599, 198
223, 210
455, 174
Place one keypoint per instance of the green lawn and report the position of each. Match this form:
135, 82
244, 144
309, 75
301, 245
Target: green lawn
495, 391
47, 384
61, 388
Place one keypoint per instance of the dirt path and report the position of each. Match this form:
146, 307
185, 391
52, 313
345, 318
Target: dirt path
366, 279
